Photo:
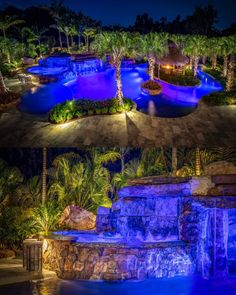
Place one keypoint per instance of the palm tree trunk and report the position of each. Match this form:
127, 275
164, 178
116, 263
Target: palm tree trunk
230, 76
225, 69
60, 42
44, 176
67, 42
158, 73
71, 40
191, 62
87, 42
214, 61
79, 40
3, 88
151, 63
195, 66
198, 162
119, 93
204, 59
174, 161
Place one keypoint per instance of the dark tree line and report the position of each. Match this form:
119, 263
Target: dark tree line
202, 21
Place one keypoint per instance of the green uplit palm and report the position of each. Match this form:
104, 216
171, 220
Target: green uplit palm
10, 178
117, 45
88, 33
46, 217
195, 49
29, 193
152, 46
230, 81
213, 50
226, 45
83, 181
7, 23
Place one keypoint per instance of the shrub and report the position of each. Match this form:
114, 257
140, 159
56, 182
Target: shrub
112, 110
152, 85
220, 98
68, 110
90, 112
180, 79
104, 110
98, 111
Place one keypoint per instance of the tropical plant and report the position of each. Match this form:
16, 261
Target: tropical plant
6, 23
88, 34
82, 181
152, 46
46, 216
117, 45
66, 31
10, 178
213, 50
226, 49
29, 193
15, 226
195, 49
72, 32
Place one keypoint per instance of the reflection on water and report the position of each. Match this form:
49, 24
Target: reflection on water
173, 286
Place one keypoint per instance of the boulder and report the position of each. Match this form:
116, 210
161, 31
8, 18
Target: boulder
28, 61
77, 218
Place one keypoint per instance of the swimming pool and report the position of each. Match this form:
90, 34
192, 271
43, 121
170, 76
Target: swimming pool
174, 101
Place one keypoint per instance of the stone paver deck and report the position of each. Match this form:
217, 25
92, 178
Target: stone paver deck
206, 127
11, 272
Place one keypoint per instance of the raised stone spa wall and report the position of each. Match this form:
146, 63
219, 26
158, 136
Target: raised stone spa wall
116, 262
141, 218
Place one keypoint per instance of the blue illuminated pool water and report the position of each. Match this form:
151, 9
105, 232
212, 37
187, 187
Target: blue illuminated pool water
174, 101
173, 286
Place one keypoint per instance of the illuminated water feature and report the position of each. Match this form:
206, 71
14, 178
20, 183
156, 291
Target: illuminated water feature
152, 231
93, 80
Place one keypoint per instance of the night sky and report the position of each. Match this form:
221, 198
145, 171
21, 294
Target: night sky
124, 11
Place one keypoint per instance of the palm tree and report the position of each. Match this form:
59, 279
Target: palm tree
44, 176
195, 48
29, 193
153, 46
231, 66
230, 76
6, 23
83, 181
66, 30
47, 216
226, 44
72, 33
88, 33
10, 178
117, 45
214, 47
